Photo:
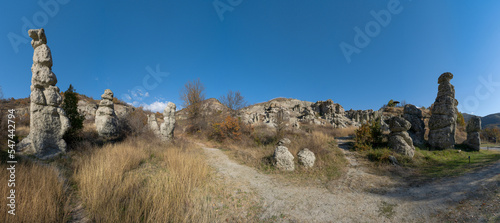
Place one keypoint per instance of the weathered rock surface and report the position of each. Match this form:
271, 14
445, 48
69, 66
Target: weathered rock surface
442, 123
153, 125
306, 158
399, 139
473, 129
106, 120
168, 125
283, 142
417, 131
283, 159
48, 122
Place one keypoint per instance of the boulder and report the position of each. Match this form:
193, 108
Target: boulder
417, 130
442, 124
306, 158
106, 120
168, 125
153, 125
473, 129
283, 159
399, 139
48, 122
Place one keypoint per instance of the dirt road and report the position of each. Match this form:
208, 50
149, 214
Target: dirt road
342, 203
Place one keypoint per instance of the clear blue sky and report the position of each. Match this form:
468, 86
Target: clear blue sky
265, 49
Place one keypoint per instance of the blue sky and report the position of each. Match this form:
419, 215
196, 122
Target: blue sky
265, 49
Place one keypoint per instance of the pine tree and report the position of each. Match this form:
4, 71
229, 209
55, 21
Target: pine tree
70, 106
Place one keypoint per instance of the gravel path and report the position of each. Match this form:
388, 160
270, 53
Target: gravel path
343, 202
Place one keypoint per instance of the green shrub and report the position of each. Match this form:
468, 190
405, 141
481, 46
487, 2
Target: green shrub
70, 106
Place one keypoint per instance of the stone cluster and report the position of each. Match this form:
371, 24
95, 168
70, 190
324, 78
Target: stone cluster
417, 131
399, 139
106, 120
442, 123
473, 130
48, 122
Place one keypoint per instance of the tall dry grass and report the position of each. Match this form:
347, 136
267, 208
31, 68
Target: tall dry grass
40, 194
143, 180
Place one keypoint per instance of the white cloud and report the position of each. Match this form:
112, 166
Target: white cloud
156, 106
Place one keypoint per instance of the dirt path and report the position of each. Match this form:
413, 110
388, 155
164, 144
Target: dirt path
345, 203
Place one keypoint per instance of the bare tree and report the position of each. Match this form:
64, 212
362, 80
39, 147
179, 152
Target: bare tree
233, 100
192, 95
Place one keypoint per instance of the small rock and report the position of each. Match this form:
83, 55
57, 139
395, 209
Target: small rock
283, 159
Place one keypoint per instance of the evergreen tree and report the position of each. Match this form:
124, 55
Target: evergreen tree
70, 106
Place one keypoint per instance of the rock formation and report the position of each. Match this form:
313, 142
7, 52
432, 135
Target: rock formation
473, 136
442, 123
106, 120
153, 125
306, 158
283, 159
168, 126
48, 122
399, 140
417, 131
362, 116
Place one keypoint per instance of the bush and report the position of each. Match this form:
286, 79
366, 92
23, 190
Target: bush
460, 119
70, 106
227, 129
368, 135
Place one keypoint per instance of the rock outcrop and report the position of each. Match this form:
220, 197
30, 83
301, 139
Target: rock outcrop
362, 116
48, 122
399, 139
417, 131
168, 125
473, 130
283, 142
153, 125
306, 158
283, 159
106, 120
442, 123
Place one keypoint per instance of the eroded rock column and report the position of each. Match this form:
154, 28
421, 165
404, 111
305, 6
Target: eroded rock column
473, 133
48, 122
168, 126
106, 120
399, 139
442, 123
417, 131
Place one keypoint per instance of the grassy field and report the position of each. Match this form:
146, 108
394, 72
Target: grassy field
437, 163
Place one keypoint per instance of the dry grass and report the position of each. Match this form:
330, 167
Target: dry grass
40, 194
330, 161
145, 181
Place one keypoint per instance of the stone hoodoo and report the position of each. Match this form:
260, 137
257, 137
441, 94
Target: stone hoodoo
283, 159
399, 139
48, 122
153, 125
417, 131
442, 123
363, 116
106, 120
473, 136
168, 126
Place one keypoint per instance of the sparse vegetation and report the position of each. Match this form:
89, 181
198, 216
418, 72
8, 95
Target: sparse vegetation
369, 135
227, 129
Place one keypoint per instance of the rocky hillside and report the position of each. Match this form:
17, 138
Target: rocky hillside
492, 120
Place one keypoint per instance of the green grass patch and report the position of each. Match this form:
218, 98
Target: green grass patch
446, 163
